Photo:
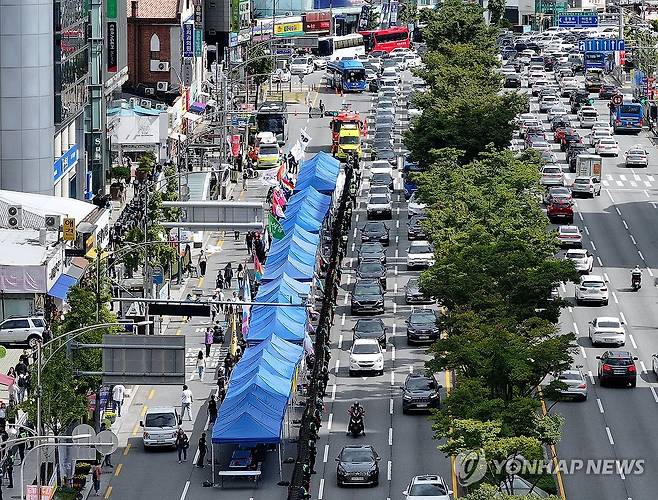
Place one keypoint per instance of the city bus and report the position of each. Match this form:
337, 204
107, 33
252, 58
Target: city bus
385, 40
627, 117
272, 116
347, 74
327, 45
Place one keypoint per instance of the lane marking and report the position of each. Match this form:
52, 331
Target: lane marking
134, 432
326, 453
392, 378
583, 352
610, 440
643, 366
396, 270
598, 259
330, 421
625, 225
587, 230
126, 449
623, 318
395, 306
395, 288
349, 279
593, 245
575, 329
650, 271
633, 240
342, 320
333, 393
607, 279
598, 401
640, 254
394, 327
390, 407
411, 368
340, 341
108, 492
653, 393
390, 436
389, 470
321, 489
345, 299
393, 353
184, 494
581, 216
591, 377
337, 366
151, 393
647, 193
610, 196
630, 337
614, 297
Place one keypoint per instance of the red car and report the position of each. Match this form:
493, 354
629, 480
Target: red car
570, 137
561, 132
560, 210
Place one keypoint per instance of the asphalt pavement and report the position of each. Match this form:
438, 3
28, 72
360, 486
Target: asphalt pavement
616, 423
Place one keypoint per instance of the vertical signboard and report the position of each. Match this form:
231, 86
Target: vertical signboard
235, 15
112, 47
394, 13
383, 19
188, 40
198, 42
198, 16
68, 229
363, 17
111, 9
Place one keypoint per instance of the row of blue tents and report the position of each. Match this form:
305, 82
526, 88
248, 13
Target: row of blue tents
262, 381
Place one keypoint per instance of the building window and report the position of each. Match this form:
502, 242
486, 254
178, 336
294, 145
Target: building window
155, 47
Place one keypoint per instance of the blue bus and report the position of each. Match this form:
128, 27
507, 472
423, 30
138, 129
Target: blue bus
348, 75
627, 117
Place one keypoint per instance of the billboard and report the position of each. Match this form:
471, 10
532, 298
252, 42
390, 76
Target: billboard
336, 4
112, 47
393, 19
289, 29
188, 40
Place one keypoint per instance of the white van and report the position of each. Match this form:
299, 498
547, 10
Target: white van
588, 116
159, 426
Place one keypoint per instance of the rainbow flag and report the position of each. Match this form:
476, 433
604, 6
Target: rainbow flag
246, 308
258, 268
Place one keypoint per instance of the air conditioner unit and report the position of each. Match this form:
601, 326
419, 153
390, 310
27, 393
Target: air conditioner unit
145, 103
156, 65
149, 91
15, 213
134, 101
163, 86
53, 222
161, 107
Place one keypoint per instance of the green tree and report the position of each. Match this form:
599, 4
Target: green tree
496, 10
259, 67
490, 492
457, 22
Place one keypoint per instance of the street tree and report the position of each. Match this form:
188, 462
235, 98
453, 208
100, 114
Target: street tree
491, 492
457, 22
496, 10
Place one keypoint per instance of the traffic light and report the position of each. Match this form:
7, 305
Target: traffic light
643, 101
590, 101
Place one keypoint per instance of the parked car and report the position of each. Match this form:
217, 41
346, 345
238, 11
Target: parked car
22, 330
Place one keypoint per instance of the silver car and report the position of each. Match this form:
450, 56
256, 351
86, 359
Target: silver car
569, 236
637, 157
576, 384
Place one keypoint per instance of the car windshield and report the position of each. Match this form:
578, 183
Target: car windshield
268, 150
379, 200
413, 283
367, 289
381, 178
608, 324
592, 284
569, 230
560, 192
370, 267
570, 376
350, 139
358, 455
375, 226
423, 318
427, 490
359, 348
38, 322
420, 249
552, 170
300, 60
581, 180
160, 420
610, 142
419, 384
372, 248
575, 254
590, 114
636, 152
618, 361
366, 325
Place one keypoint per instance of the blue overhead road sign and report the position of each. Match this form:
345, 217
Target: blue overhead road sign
578, 21
601, 45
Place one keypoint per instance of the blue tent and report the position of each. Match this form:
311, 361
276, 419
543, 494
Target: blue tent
283, 290
310, 196
289, 323
321, 172
292, 244
296, 264
301, 219
273, 354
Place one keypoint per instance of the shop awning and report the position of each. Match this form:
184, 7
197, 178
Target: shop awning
71, 277
192, 117
198, 107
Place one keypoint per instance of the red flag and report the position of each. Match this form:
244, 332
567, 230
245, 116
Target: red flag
281, 171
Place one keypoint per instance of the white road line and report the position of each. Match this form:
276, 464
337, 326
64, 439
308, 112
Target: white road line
622, 177
605, 276
411, 368
630, 337
587, 230
353, 247
610, 195
390, 436
619, 183
653, 204
593, 245
397, 223
390, 406
355, 232
591, 377
650, 177
397, 239
393, 353
397, 211
396, 270
356, 219
623, 318
570, 309
340, 341
321, 489
635, 176
349, 279
633, 240
644, 367
583, 352
647, 184
653, 393
618, 211
342, 320
575, 329
184, 494
326, 453
329, 422
605, 183
395, 288
581, 216
395, 306
640, 254
397, 253
333, 392
624, 223
389, 470
650, 271
345, 300
598, 259
633, 184
395, 325
337, 367
598, 401
614, 297
647, 193
610, 440
392, 378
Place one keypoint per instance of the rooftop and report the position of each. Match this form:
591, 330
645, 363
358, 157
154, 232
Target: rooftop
154, 9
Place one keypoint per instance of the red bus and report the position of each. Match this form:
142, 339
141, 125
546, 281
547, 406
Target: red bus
386, 39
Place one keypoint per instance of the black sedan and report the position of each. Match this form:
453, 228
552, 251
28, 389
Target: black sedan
372, 269
389, 155
367, 297
372, 251
420, 393
608, 92
357, 464
371, 328
375, 231
413, 295
422, 326
415, 229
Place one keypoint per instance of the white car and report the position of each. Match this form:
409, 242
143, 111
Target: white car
637, 156
607, 330
558, 110
547, 102
569, 236
588, 116
586, 186
428, 487
366, 356
540, 146
414, 207
420, 254
320, 62
381, 167
592, 288
412, 60
603, 126
551, 175
301, 65
281, 75
597, 134
379, 207
607, 147
159, 427
22, 330
581, 259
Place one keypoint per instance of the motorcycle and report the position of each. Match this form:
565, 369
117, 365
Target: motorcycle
636, 282
356, 426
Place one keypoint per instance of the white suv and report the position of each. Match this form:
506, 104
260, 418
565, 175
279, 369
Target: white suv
592, 288
22, 330
159, 427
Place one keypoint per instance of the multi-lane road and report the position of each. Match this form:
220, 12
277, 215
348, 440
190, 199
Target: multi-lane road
619, 229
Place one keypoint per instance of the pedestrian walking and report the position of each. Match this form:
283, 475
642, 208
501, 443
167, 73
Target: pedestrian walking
118, 392
209, 339
22, 387
241, 275
182, 444
249, 239
212, 410
321, 107
219, 282
186, 400
203, 262
203, 448
228, 275
3, 415
245, 176
200, 364
96, 477
9, 469
310, 109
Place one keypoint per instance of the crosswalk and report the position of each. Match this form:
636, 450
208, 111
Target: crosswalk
217, 355
630, 180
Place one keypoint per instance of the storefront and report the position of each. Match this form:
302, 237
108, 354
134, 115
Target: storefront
138, 130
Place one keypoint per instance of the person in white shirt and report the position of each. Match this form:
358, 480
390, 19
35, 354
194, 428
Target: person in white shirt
186, 400
117, 397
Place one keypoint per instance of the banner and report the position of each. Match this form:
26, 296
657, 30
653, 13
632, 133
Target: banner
269, 177
274, 227
198, 42
393, 19
383, 18
297, 152
363, 17
235, 145
304, 138
111, 9
289, 29
112, 47
188, 40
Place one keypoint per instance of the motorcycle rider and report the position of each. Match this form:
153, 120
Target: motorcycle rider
356, 413
636, 275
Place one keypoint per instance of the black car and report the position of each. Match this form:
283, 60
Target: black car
357, 464
512, 81
578, 99
415, 229
371, 328
413, 295
572, 153
375, 231
559, 122
382, 143
617, 366
383, 118
372, 251
422, 326
367, 297
372, 269
420, 393
607, 91
386, 154
373, 85
382, 178
549, 63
